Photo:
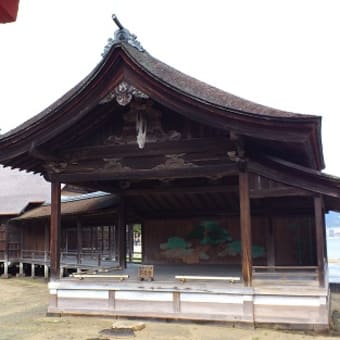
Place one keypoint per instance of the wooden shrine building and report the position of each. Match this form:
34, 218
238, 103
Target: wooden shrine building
229, 193
87, 236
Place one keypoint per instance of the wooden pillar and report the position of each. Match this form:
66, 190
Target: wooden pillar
21, 243
61, 272
320, 239
46, 242
325, 243
142, 242
65, 237
32, 270
110, 240
46, 250
130, 241
79, 241
270, 241
103, 240
21, 269
55, 231
95, 238
122, 234
6, 257
116, 239
46, 271
5, 274
245, 224
92, 238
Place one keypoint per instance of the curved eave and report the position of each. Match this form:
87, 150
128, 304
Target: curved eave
212, 106
171, 88
296, 175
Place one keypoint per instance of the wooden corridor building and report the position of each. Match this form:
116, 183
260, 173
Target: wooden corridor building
216, 181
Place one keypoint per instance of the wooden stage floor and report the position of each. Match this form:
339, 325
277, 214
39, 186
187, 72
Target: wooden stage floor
166, 272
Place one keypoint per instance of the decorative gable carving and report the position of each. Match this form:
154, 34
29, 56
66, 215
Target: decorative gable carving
142, 124
123, 93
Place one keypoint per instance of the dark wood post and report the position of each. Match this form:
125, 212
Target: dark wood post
270, 240
122, 234
91, 239
110, 240
116, 239
6, 255
103, 239
245, 224
320, 238
79, 241
130, 241
46, 249
55, 230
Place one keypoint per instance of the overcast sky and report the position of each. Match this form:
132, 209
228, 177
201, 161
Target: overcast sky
282, 53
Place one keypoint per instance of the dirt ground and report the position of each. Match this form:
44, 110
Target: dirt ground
23, 316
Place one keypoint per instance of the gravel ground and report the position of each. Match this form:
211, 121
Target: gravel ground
23, 316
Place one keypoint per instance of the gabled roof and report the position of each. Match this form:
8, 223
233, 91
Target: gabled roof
18, 189
171, 88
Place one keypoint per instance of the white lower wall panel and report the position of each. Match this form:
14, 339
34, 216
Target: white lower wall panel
216, 306
143, 296
79, 304
287, 301
83, 294
211, 298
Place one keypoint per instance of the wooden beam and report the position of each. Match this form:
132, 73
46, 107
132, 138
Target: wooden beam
132, 164
245, 224
181, 190
199, 145
122, 234
55, 230
320, 240
194, 212
139, 174
278, 192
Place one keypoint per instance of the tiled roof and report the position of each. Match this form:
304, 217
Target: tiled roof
75, 205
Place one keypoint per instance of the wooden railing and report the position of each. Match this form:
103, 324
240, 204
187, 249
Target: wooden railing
40, 256
88, 258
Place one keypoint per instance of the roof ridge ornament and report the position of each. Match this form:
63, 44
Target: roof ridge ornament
122, 34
